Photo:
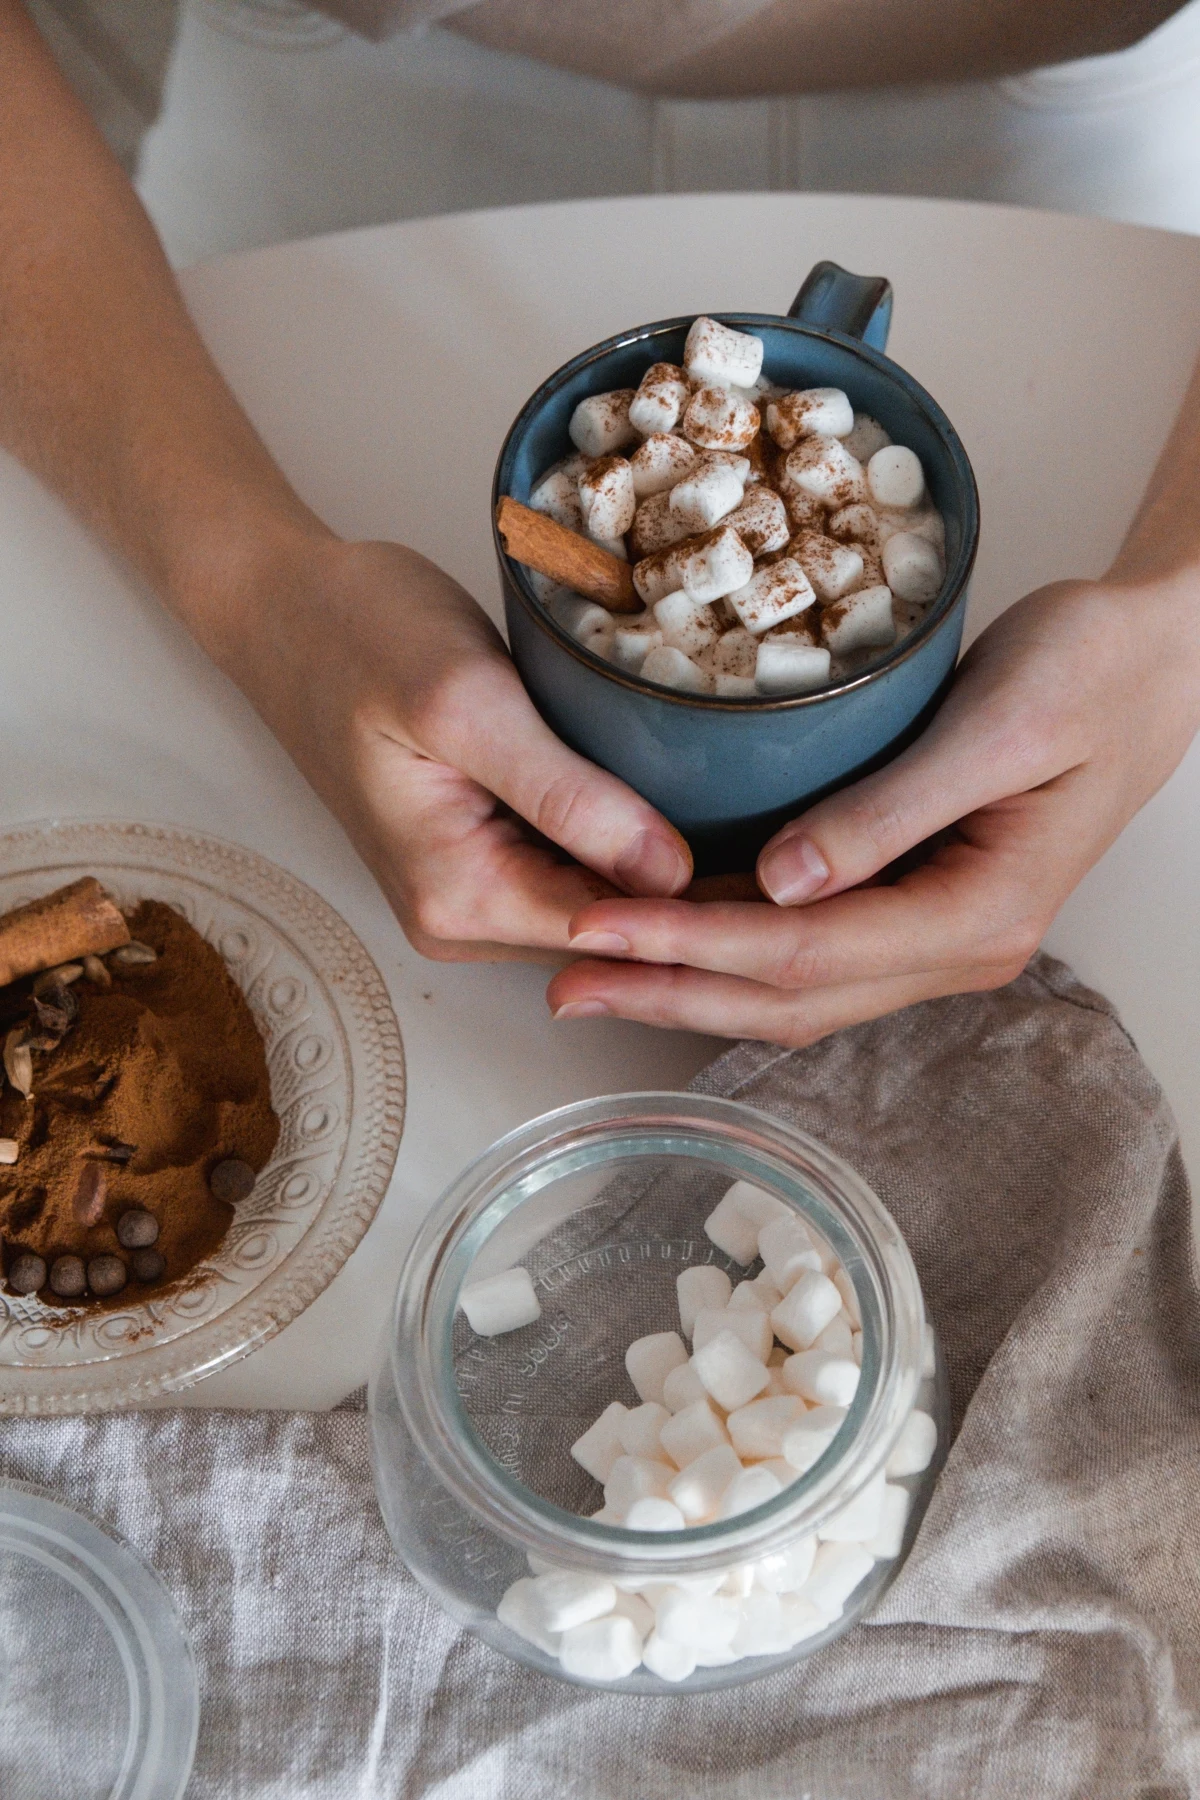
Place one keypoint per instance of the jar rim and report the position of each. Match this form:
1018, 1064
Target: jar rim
751, 1145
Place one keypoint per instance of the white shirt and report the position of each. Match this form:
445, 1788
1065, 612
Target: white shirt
278, 123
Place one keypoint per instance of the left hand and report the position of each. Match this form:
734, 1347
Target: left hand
1066, 715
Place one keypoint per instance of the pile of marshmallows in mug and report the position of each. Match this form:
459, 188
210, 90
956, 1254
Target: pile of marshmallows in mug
773, 1369
772, 556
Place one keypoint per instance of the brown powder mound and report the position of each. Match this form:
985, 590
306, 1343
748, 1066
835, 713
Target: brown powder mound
169, 1061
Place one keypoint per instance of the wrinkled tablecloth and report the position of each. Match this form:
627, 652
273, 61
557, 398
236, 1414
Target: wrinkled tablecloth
1044, 1637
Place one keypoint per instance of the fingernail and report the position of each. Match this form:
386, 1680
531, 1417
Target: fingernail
582, 1009
604, 943
792, 870
652, 864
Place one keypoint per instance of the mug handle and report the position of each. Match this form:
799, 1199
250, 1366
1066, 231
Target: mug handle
857, 306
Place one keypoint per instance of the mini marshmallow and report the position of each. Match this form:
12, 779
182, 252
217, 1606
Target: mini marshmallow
857, 524
671, 668
702, 1286
649, 1360
718, 563
926, 522
757, 1430
657, 574
774, 593
636, 1478
738, 1217
913, 567
660, 399
603, 1650
698, 1488
806, 1442
600, 424
614, 546
599, 1447
547, 591
738, 1582
652, 1514
781, 1469
703, 1624
832, 568
655, 527
845, 1288
858, 1522
802, 1618
787, 1570
822, 1378
719, 354
557, 495
790, 666
521, 1611
805, 1310
607, 497
761, 521
639, 1429
732, 1374
753, 1487
748, 1296
683, 1388
893, 1518
823, 412
566, 1598
709, 490
837, 1336
659, 462
692, 1432
717, 419
763, 1628
867, 437
895, 478
837, 1571
734, 687
500, 1303
751, 1325
633, 640
632, 1606
686, 624
824, 469
736, 652
913, 1450
591, 625
669, 1660
787, 1251
775, 1388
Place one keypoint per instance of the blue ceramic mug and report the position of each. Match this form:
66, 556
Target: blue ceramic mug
729, 772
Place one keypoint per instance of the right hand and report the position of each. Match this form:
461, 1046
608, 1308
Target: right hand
395, 696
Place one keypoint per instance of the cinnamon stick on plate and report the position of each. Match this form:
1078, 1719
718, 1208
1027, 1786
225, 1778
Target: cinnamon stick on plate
533, 539
78, 920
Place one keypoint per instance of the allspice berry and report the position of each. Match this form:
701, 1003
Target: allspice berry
148, 1265
27, 1273
137, 1229
68, 1277
106, 1275
232, 1180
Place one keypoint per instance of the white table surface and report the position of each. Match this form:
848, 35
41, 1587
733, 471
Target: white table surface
1058, 346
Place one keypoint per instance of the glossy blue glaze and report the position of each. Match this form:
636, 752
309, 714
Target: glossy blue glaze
728, 773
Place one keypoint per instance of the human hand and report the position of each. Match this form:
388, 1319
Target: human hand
1065, 717
395, 696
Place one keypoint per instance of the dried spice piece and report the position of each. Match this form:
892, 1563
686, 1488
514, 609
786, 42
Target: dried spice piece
60, 927
116, 1152
56, 1009
232, 1180
97, 974
133, 955
106, 1275
68, 1277
9, 1150
137, 1229
87, 1205
148, 1265
62, 976
18, 1060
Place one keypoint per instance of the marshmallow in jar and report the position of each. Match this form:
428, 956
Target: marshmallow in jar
646, 1421
780, 541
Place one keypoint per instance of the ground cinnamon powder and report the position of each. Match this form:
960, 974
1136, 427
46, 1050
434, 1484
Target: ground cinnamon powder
169, 1061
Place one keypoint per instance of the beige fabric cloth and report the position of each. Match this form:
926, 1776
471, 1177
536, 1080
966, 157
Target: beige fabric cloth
1044, 1637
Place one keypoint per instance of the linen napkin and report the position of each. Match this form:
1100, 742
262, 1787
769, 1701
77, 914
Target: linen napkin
1044, 1636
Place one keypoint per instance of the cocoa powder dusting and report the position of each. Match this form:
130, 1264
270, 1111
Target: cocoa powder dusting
160, 1078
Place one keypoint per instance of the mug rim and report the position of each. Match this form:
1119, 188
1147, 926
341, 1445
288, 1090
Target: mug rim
935, 619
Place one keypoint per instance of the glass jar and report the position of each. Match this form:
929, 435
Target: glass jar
604, 1203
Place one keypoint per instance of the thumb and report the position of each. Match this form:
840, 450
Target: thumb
508, 748
968, 758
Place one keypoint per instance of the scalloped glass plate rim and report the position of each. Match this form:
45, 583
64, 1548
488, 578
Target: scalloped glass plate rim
295, 917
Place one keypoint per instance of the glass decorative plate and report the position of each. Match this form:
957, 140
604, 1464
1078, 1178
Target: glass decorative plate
336, 1066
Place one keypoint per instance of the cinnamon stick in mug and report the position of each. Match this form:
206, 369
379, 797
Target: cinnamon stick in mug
78, 920
538, 542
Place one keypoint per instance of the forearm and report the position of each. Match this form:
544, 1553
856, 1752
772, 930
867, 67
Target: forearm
106, 390
801, 46
1163, 543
